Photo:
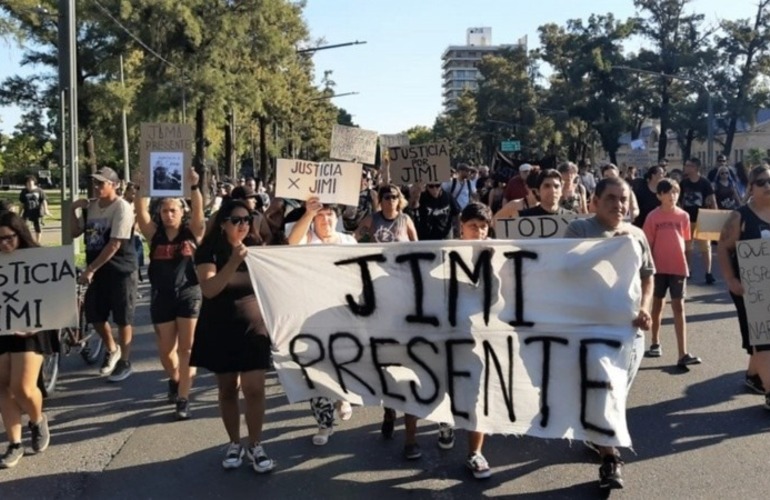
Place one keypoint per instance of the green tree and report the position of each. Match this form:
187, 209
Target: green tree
459, 126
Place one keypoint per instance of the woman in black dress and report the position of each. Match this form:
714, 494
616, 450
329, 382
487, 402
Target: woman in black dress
230, 337
21, 356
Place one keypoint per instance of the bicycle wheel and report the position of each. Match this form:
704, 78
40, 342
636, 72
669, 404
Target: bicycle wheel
92, 344
49, 373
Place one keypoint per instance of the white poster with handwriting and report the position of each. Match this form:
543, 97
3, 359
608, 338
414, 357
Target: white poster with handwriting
542, 226
354, 144
754, 264
528, 337
37, 290
331, 181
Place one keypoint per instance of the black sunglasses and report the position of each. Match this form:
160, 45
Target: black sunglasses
238, 220
9, 237
761, 182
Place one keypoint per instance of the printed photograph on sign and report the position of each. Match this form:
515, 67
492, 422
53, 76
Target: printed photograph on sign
332, 182
353, 144
166, 174
420, 163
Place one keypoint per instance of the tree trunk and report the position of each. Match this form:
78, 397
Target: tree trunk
229, 147
200, 152
263, 158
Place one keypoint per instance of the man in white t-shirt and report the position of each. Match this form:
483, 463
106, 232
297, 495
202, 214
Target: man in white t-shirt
462, 188
108, 227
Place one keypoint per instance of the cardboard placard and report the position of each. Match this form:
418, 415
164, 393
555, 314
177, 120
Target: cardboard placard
354, 144
38, 290
710, 224
388, 141
494, 336
754, 264
166, 151
542, 226
420, 163
331, 181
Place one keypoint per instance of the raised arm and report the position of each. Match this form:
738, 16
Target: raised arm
197, 219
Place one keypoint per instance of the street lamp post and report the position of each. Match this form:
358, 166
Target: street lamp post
709, 105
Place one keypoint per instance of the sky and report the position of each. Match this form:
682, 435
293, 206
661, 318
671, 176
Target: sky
397, 73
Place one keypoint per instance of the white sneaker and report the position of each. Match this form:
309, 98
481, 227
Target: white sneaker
322, 436
233, 457
344, 410
259, 459
110, 360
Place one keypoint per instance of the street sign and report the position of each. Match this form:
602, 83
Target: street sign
510, 146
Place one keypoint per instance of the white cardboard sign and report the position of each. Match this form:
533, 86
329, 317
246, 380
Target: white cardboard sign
543, 226
331, 181
37, 290
754, 263
529, 337
354, 144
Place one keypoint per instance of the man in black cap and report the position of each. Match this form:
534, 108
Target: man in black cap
108, 226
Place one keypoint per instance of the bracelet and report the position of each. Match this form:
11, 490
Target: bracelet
194, 188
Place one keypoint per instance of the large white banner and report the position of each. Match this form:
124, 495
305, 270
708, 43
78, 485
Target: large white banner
330, 181
525, 337
37, 290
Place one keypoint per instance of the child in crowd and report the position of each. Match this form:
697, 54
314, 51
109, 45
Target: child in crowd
667, 228
475, 220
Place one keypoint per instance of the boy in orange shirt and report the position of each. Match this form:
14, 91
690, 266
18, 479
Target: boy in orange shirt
667, 228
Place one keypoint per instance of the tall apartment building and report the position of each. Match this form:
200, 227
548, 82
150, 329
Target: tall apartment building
459, 63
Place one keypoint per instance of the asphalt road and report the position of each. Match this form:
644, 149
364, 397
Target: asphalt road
697, 434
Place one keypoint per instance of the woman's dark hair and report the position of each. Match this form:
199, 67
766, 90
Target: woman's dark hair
533, 177
19, 226
657, 169
476, 211
215, 240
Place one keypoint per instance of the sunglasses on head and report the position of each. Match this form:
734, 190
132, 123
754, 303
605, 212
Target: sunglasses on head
7, 238
761, 182
237, 220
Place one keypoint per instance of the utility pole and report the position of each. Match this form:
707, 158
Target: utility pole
126, 166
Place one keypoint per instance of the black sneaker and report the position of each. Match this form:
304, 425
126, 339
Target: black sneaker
388, 423
121, 372
173, 390
754, 383
41, 436
655, 351
611, 473
446, 436
12, 455
412, 451
110, 360
182, 411
710, 279
688, 359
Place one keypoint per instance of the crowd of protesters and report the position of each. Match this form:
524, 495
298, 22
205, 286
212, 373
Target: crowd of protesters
205, 313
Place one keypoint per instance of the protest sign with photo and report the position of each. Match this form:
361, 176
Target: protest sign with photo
529, 337
331, 182
165, 153
420, 163
37, 290
354, 144
754, 264
710, 224
543, 226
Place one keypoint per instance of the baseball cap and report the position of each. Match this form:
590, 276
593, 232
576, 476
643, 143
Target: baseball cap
106, 174
525, 167
242, 193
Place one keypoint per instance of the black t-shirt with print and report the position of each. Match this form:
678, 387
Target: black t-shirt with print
32, 202
433, 218
694, 195
171, 261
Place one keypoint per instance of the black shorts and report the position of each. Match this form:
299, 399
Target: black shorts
111, 293
669, 282
168, 305
743, 323
34, 217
